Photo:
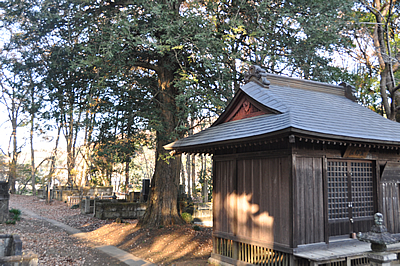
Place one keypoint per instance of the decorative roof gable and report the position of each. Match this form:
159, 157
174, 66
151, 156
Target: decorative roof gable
246, 109
243, 107
252, 99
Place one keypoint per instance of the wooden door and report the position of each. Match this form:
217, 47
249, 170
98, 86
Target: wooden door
350, 196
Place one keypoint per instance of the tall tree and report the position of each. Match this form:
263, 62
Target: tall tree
378, 53
11, 99
186, 58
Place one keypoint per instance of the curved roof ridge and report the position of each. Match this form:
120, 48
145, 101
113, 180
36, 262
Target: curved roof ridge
264, 96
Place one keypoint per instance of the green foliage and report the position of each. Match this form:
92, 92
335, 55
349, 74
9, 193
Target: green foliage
16, 212
196, 228
115, 69
109, 62
10, 222
376, 51
187, 217
15, 216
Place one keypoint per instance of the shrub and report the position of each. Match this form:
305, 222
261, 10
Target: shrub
16, 214
187, 217
196, 228
14, 217
10, 222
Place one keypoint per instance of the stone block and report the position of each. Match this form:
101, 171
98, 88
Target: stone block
119, 209
25, 259
4, 198
10, 245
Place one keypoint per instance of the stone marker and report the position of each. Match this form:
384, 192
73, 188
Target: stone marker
4, 198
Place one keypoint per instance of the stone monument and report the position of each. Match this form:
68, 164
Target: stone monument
4, 198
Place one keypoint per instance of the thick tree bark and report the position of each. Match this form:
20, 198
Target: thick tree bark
33, 169
203, 174
188, 172
127, 176
383, 14
193, 157
162, 207
13, 166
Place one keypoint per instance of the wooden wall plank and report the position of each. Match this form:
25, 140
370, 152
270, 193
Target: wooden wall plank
325, 195
395, 207
256, 199
216, 196
309, 202
263, 195
319, 197
224, 185
295, 206
286, 200
390, 202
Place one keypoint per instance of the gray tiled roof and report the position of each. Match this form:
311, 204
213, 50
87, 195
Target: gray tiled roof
312, 111
264, 96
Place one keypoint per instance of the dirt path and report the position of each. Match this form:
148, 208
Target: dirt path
54, 246
162, 246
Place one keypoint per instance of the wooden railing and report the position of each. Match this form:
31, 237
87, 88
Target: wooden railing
224, 247
249, 253
262, 255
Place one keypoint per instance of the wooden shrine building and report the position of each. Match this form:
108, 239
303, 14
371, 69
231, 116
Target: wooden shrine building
298, 166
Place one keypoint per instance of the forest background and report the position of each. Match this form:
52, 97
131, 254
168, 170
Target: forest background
93, 90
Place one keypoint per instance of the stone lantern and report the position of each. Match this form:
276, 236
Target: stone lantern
379, 238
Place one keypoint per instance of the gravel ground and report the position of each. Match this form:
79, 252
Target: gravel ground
52, 244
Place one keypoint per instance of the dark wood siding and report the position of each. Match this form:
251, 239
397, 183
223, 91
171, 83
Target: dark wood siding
252, 199
309, 204
264, 196
390, 192
224, 186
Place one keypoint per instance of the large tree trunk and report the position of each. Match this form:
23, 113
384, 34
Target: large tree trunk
127, 176
13, 166
203, 174
188, 172
70, 165
162, 207
33, 169
383, 12
194, 194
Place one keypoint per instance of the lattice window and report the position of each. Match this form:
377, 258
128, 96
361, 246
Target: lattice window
362, 189
337, 190
361, 185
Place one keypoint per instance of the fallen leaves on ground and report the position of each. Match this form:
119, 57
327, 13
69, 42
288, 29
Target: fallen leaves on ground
178, 245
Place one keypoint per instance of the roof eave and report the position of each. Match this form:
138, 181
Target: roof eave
208, 147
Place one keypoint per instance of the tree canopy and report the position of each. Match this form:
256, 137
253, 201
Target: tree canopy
377, 54
114, 68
